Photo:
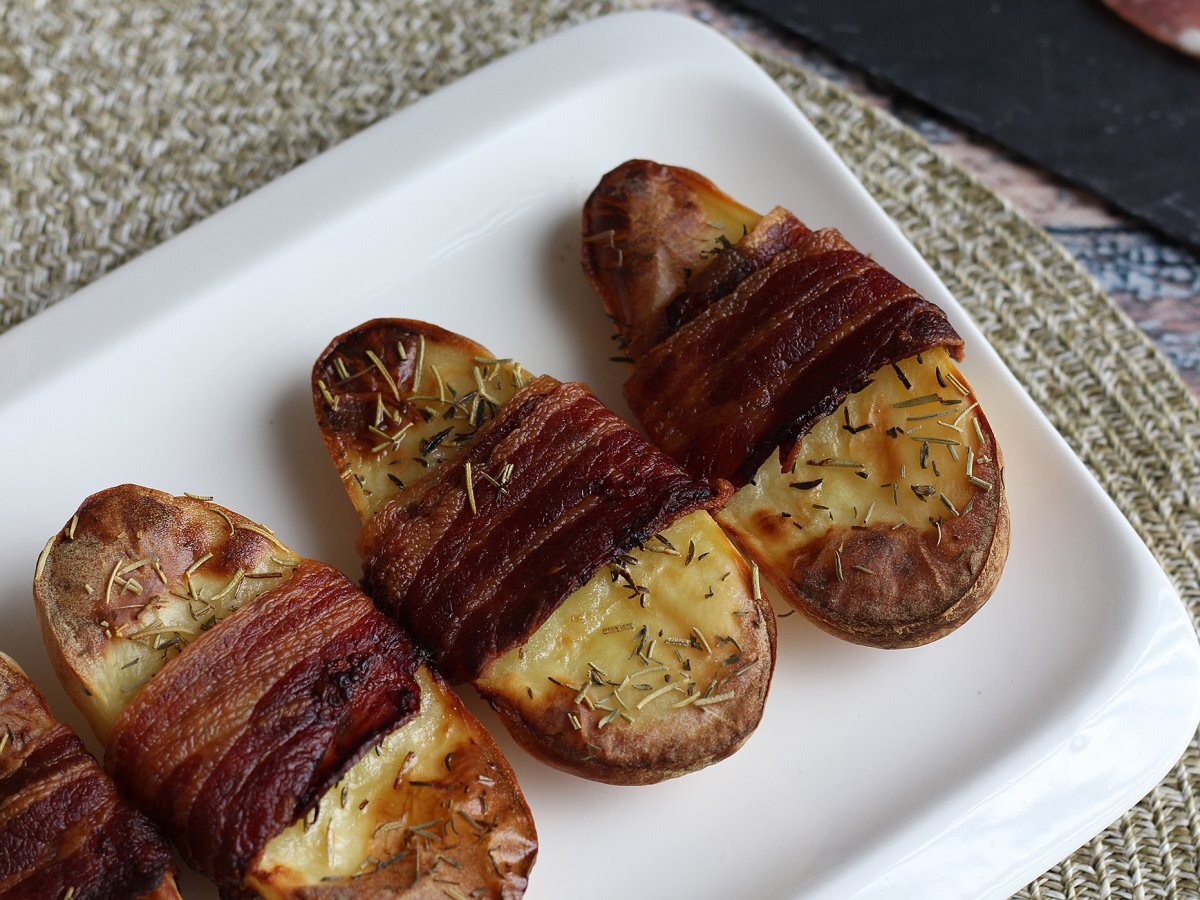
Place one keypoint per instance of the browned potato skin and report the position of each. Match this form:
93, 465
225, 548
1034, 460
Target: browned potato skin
647, 228
137, 522
684, 742
909, 607
129, 522
659, 220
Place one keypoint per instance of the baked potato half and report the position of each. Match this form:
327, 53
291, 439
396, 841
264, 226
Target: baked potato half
885, 522
657, 666
62, 821
137, 575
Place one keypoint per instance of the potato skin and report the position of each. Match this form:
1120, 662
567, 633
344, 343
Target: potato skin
904, 612
646, 228
86, 636
644, 238
682, 742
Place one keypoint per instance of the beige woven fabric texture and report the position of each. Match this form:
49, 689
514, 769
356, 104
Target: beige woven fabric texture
125, 122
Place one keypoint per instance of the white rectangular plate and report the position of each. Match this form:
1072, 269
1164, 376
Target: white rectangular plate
962, 768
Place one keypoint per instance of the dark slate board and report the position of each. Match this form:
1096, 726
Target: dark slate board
1065, 83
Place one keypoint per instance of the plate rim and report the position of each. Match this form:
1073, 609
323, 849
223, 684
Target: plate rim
682, 38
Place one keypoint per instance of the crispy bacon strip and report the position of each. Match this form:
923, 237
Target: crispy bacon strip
756, 369
776, 232
63, 827
237, 738
584, 487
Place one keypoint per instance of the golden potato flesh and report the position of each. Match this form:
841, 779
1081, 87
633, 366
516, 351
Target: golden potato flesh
430, 804
883, 531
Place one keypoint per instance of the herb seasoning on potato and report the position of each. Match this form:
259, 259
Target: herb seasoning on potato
785, 362
544, 552
283, 733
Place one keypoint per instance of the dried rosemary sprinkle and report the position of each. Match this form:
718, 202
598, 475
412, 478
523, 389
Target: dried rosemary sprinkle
264, 532
903, 378
917, 401
613, 629
45, 554
329, 398
979, 482
71, 528
191, 570
653, 695
835, 461
416, 385
374, 359
950, 442
957, 384
715, 698
755, 581
440, 383
470, 487
963, 414
837, 565
946, 502
608, 235
806, 485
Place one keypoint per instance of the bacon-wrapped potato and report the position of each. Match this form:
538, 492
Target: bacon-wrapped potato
543, 551
285, 734
785, 362
65, 832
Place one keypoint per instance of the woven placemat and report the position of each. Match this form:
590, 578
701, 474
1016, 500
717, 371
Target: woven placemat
125, 122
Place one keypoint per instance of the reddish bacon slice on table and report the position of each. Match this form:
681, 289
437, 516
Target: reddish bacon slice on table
474, 574
786, 362
64, 830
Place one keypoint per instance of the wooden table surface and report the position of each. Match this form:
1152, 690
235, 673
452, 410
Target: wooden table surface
1155, 280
